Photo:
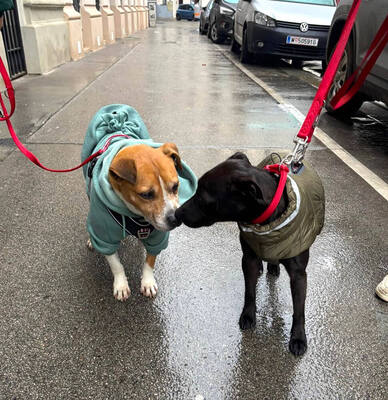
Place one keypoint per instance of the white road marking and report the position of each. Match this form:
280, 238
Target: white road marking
378, 184
313, 72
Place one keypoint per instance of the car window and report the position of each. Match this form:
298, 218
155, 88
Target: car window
231, 1
210, 5
317, 2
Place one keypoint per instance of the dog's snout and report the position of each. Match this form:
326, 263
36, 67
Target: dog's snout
172, 221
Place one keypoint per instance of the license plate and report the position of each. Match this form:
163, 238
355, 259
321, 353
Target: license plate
302, 41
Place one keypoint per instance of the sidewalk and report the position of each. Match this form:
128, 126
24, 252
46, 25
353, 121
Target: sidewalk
64, 336
40, 97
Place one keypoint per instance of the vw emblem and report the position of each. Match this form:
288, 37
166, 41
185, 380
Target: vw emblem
304, 27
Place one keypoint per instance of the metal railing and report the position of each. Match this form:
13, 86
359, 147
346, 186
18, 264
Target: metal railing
13, 43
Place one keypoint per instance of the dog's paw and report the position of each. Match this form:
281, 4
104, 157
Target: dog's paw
247, 320
148, 287
121, 290
298, 346
89, 245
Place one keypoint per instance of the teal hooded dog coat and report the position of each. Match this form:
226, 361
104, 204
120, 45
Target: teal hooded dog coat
109, 220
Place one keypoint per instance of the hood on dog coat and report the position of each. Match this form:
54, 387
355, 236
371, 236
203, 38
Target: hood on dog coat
296, 229
106, 208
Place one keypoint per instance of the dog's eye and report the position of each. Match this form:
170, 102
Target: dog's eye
147, 195
175, 187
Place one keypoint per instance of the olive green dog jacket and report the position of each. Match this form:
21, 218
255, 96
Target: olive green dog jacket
296, 229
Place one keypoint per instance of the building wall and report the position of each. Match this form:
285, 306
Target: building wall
48, 33
45, 34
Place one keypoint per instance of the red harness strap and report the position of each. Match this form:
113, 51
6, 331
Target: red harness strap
282, 170
19, 144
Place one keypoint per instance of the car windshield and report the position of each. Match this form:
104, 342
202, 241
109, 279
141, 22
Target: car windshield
231, 1
317, 2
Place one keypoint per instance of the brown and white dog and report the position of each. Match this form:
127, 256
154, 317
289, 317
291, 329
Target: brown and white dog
146, 180
134, 188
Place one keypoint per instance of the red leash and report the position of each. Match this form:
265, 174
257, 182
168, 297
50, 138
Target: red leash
282, 170
355, 81
6, 117
307, 129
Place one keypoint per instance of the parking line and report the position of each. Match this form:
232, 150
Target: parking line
378, 184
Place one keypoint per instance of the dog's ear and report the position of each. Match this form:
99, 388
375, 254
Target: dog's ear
249, 187
239, 156
170, 150
123, 169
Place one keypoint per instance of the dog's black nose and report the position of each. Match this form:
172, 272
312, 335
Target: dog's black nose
172, 221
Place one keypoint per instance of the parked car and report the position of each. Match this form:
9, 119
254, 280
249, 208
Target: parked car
204, 18
197, 11
370, 16
293, 29
221, 18
185, 11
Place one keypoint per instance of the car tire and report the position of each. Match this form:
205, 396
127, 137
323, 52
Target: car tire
208, 30
214, 36
234, 46
324, 66
345, 69
201, 30
246, 56
178, 17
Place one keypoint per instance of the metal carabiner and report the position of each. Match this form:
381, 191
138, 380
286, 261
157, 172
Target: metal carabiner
294, 160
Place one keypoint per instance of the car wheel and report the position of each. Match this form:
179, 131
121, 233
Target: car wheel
208, 30
345, 69
214, 36
201, 30
324, 66
246, 56
234, 47
178, 17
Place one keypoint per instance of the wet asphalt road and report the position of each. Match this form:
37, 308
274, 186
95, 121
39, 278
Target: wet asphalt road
62, 334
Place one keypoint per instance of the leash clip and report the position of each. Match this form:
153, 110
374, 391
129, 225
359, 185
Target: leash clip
295, 159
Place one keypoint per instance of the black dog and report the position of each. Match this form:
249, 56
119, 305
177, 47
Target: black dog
235, 190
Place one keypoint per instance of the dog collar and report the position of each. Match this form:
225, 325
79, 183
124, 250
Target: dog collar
282, 170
